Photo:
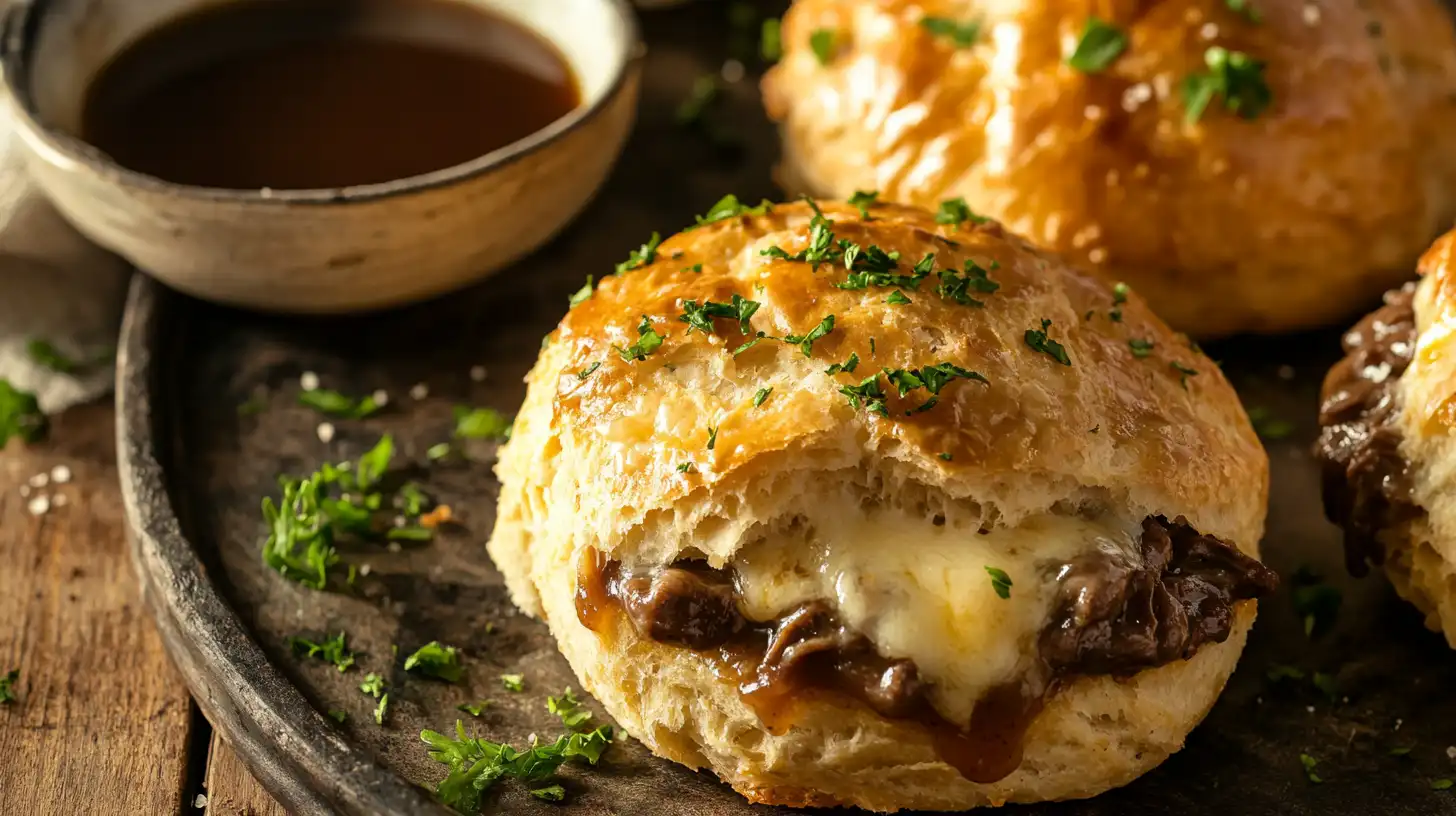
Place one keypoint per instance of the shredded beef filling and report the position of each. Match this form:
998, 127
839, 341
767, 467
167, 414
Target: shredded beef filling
1366, 481
1115, 614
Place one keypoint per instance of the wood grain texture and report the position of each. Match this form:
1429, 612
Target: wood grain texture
102, 715
231, 790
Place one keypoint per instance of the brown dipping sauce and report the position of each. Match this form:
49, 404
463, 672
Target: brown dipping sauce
324, 93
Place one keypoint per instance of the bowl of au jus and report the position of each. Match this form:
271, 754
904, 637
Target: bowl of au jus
320, 156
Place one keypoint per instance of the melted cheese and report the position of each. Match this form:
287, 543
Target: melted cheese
922, 592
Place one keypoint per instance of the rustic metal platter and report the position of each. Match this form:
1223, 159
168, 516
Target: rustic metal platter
194, 471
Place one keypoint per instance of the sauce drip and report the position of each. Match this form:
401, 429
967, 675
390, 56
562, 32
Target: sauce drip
323, 93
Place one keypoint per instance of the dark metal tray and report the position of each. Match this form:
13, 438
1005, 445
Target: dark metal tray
194, 472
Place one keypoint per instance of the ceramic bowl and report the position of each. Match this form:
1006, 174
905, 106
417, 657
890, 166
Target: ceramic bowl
319, 250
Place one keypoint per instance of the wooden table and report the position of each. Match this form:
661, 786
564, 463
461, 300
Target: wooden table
103, 723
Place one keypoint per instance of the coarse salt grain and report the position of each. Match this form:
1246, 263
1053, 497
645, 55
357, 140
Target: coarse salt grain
39, 506
732, 71
399, 521
419, 391
1311, 14
477, 373
381, 397
60, 474
1398, 723
1209, 31
309, 381
1451, 752
40, 480
24, 490
1286, 372
60, 500
1310, 709
326, 432
393, 546
366, 569
201, 800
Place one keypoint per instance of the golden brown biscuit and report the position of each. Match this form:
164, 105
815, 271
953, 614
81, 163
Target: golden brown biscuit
1314, 196
870, 510
1389, 440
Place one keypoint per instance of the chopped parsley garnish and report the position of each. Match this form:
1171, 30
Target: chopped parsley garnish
957, 211
1326, 684
758, 398
1280, 671
1233, 75
863, 200
848, 366
513, 682
1245, 8
957, 286
436, 660
730, 207
1119, 293
333, 650
712, 436
701, 317
696, 268
1316, 603
1309, 764
1140, 348
875, 267
1184, 372
481, 423
771, 40
868, 395
474, 709
960, 34
1038, 340
1000, 581
43, 353
437, 451
7, 686
932, 378
338, 716
550, 793
945, 456
1441, 784
648, 341
20, 415
822, 42
750, 344
805, 342
373, 685
381, 709
642, 256
1268, 426
1101, 44
897, 298
476, 764
410, 533
338, 405
690, 111
300, 543
1401, 750
568, 708
587, 372
583, 294
687, 467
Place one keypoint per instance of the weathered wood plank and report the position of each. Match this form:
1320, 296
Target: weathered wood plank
102, 720
231, 790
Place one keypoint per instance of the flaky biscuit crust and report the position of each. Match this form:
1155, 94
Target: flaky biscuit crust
1292, 219
613, 455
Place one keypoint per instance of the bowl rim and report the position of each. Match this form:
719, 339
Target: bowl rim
19, 32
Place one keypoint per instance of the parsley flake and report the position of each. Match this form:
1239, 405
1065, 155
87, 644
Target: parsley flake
1326, 684
20, 415
587, 372
332, 650
380, 709
481, 423
513, 682
1441, 784
868, 394
642, 256
771, 40
762, 395
823, 42
955, 211
863, 201
932, 378
648, 341
690, 111
960, 34
7, 686
1140, 348
957, 286
897, 298
1119, 293
43, 353
1184, 372
436, 660
945, 456
701, 317
1309, 764
687, 467
1100, 45
339, 405
1233, 75
474, 709
1269, 427
712, 436
568, 708
1000, 582
1280, 671
1038, 340
1316, 603
1401, 750
805, 342
848, 366
583, 294
373, 685
297, 521
476, 763
730, 207
1245, 8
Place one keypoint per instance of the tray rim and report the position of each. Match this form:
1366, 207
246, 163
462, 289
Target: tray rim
290, 747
